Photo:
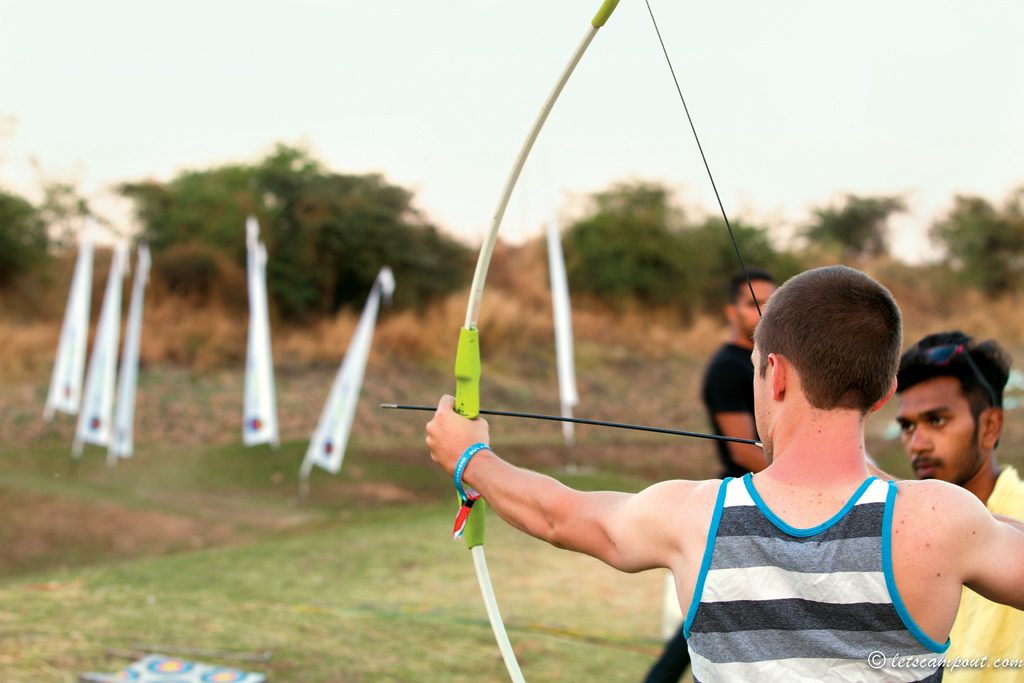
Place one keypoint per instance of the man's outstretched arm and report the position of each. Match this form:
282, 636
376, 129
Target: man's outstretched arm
627, 531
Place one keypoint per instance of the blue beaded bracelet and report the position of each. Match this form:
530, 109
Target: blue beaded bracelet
460, 467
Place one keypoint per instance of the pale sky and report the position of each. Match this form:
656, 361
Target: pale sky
797, 102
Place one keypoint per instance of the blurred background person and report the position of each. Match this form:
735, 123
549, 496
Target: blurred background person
727, 390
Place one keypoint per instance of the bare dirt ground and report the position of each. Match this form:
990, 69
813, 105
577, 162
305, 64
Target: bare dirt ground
40, 530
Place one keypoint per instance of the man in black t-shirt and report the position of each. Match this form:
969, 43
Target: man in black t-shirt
728, 395
727, 391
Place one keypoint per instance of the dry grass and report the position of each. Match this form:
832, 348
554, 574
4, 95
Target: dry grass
27, 349
973, 313
180, 332
208, 333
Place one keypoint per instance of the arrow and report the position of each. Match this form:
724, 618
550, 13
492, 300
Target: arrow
585, 421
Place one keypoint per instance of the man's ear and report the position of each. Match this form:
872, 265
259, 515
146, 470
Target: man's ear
885, 399
778, 374
990, 426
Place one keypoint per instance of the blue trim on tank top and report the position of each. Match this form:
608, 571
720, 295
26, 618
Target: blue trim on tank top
890, 579
748, 481
705, 564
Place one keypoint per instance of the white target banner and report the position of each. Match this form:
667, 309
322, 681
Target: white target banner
122, 441
94, 420
330, 438
259, 412
65, 392
562, 312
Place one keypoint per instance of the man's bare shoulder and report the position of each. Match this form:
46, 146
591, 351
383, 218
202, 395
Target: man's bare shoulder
934, 492
684, 503
936, 507
942, 532
683, 491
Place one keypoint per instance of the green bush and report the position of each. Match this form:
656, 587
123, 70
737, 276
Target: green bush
636, 245
189, 270
23, 240
327, 234
985, 243
629, 247
857, 229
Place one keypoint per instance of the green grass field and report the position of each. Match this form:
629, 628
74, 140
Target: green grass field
359, 582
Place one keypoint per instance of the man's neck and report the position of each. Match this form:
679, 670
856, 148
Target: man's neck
739, 339
823, 450
983, 482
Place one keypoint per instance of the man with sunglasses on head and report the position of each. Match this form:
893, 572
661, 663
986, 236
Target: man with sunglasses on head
950, 415
811, 569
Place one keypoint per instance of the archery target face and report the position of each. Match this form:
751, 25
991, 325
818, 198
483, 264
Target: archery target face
164, 669
170, 666
224, 676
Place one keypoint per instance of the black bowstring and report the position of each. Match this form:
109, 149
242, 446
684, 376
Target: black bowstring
707, 167
585, 421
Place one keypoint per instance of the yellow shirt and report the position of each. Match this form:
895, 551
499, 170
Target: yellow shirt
983, 627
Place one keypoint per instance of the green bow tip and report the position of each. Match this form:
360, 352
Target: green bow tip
602, 14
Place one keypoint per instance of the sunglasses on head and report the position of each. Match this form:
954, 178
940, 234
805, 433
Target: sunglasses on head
943, 355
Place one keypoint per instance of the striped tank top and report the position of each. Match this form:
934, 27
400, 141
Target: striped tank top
777, 603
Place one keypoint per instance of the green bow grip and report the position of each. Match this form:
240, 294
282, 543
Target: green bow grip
602, 14
467, 404
467, 373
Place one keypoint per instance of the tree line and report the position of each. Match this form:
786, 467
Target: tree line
329, 233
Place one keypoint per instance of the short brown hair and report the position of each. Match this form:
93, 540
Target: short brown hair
842, 332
